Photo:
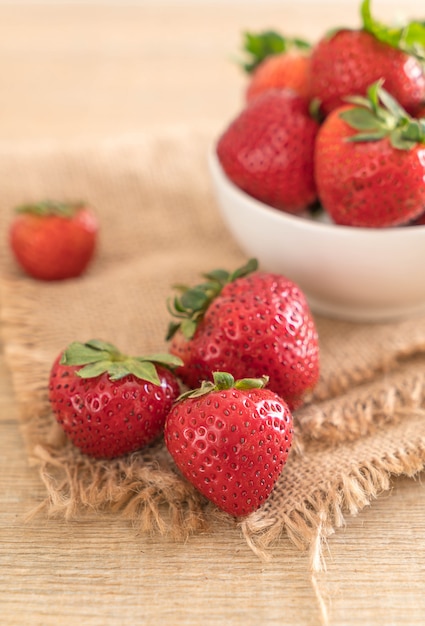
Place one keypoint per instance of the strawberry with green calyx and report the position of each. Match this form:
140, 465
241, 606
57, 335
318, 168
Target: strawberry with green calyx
256, 324
231, 440
370, 162
267, 150
53, 240
109, 403
276, 62
346, 61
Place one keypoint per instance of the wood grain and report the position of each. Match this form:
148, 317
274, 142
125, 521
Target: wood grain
92, 71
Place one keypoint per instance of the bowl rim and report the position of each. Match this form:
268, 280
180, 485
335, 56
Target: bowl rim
307, 222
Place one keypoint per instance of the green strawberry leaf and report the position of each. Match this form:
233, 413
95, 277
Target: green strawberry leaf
173, 327
98, 357
360, 101
252, 383
403, 139
143, 369
46, 208
360, 119
218, 276
259, 46
410, 37
194, 299
188, 328
391, 104
83, 353
166, 359
98, 344
191, 306
222, 381
94, 369
380, 115
365, 137
248, 268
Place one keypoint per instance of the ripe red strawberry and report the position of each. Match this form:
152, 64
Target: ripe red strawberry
287, 70
108, 403
346, 62
276, 62
53, 240
267, 151
370, 163
249, 323
231, 440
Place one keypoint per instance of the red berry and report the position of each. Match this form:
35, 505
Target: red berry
53, 240
370, 163
267, 151
231, 441
251, 323
107, 403
347, 62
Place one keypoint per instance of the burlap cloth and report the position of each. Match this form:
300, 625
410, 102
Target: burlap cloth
160, 225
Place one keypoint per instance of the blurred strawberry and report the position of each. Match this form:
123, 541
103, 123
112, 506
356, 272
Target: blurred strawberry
345, 62
267, 151
276, 62
370, 162
53, 240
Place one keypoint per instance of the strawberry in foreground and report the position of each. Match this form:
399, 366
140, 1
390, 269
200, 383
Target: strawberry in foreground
231, 440
53, 240
267, 151
250, 323
276, 62
370, 162
108, 403
345, 62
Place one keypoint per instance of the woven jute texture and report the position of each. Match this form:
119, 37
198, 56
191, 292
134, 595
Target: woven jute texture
160, 225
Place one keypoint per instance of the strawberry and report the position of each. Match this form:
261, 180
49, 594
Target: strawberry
249, 323
231, 440
267, 151
345, 62
370, 162
108, 403
53, 240
276, 62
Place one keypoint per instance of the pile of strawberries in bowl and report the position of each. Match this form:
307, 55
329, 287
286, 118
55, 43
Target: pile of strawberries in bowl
321, 175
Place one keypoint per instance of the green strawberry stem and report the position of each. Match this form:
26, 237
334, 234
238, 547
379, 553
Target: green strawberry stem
379, 115
51, 207
98, 357
222, 381
259, 46
409, 38
191, 306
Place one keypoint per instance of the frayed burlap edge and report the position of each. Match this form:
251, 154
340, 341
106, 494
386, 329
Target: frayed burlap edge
311, 524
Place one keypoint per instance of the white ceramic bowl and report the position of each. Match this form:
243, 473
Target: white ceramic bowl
356, 274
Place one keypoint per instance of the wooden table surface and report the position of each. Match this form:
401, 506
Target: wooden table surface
82, 71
